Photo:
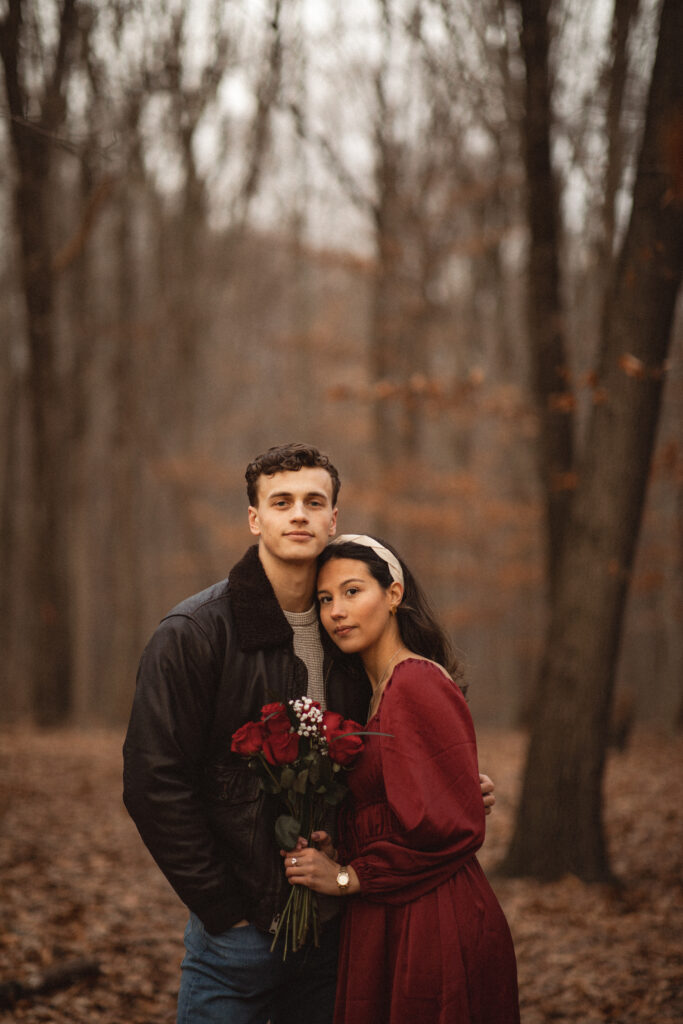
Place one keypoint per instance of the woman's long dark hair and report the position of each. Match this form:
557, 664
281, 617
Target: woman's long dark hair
417, 623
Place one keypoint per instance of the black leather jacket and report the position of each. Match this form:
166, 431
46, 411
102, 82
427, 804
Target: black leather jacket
210, 666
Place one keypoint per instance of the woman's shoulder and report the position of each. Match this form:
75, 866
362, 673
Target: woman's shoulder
417, 678
417, 666
422, 698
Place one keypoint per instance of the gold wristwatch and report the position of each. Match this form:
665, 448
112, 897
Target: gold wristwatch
343, 880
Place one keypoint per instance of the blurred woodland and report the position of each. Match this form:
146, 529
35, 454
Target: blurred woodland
440, 239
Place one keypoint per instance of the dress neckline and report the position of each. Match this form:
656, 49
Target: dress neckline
426, 661
387, 684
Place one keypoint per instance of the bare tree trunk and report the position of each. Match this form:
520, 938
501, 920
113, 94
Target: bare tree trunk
672, 616
545, 316
10, 546
78, 329
125, 565
48, 577
386, 314
623, 16
399, 338
559, 825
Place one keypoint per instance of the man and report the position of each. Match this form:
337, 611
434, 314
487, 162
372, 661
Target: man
211, 665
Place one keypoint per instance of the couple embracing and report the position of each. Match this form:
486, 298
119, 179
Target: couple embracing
410, 928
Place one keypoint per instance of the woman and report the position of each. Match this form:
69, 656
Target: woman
424, 939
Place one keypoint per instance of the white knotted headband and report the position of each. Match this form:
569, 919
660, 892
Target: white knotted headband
369, 542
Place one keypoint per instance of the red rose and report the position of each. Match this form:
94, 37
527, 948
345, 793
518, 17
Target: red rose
332, 721
343, 746
280, 746
248, 739
271, 710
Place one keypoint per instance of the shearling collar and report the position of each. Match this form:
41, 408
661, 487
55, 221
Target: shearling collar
259, 620
258, 617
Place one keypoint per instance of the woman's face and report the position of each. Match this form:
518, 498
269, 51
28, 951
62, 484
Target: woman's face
354, 609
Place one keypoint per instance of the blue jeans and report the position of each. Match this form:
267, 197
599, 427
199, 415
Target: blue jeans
233, 978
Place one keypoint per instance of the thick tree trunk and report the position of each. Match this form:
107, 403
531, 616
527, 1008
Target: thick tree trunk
559, 825
49, 631
546, 325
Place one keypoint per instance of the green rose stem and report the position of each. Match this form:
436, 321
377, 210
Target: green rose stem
301, 909
276, 782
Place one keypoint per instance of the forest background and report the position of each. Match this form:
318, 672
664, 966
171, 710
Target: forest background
254, 222
440, 239
443, 241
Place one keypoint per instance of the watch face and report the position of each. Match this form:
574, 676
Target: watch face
343, 878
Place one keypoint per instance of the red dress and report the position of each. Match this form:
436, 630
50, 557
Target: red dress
425, 941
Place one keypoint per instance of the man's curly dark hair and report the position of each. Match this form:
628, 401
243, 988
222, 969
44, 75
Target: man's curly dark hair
284, 457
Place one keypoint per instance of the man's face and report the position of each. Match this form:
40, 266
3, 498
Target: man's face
294, 517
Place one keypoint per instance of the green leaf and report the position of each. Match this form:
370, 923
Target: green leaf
287, 831
335, 795
301, 780
287, 778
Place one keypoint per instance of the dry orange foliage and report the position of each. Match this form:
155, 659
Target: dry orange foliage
75, 881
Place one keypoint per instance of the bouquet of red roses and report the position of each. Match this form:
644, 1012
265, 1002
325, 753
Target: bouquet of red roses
299, 752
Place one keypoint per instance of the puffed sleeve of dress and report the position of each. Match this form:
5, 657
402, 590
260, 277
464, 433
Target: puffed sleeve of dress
435, 818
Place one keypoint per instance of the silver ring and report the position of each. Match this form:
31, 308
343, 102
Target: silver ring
293, 862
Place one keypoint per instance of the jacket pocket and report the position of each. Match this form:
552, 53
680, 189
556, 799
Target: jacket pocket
235, 802
235, 786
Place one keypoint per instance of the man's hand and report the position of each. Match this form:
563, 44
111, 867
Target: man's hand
487, 788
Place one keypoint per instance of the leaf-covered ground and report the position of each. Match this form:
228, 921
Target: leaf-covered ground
76, 882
